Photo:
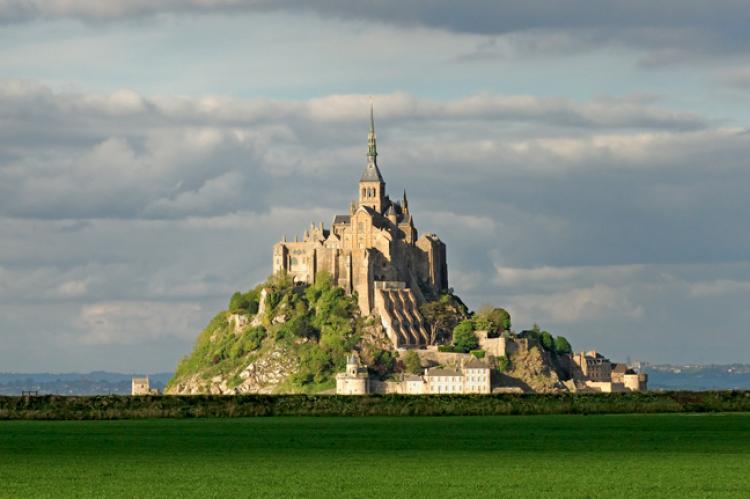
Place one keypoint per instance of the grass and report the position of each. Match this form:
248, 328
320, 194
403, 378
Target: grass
660, 455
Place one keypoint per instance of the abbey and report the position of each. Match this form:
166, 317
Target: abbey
374, 251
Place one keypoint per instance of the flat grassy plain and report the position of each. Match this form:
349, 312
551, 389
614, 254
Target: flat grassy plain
654, 455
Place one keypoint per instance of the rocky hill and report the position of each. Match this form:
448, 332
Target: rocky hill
280, 337
287, 338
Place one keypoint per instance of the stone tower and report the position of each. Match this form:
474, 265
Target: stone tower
371, 184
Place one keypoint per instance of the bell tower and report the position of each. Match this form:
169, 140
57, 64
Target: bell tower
371, 184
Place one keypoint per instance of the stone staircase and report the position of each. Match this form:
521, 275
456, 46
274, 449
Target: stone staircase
400, 317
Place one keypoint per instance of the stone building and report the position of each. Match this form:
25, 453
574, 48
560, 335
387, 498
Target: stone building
441, 380
353, 381
375, 251
597, 373
476, 377
594, 366
142, 386
470, 376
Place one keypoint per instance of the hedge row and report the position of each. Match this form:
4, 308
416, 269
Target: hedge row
125, 407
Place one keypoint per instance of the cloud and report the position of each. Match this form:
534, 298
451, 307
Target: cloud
571, 213
738, 78
125, 155
719, 287
72, 289
666, 33
575, 306
137, 322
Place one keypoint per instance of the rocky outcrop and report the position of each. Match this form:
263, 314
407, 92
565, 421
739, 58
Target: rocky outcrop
267, 373
263, 374
534, 369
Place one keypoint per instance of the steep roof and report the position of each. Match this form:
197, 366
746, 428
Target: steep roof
442, 371
620, 368
371, 173
475, 363
342, 219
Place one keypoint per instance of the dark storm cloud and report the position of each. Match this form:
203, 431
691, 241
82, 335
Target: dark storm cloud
670, 30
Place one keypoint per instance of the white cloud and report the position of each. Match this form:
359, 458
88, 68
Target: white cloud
140, 215
575, 306
718, 288
72, 289
137, 322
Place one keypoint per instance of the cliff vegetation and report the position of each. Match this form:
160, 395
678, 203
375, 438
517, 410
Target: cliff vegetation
280, 337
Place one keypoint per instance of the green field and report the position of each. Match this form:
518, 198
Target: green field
665, 455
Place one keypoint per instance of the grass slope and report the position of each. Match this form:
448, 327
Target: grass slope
312, 326
560, 456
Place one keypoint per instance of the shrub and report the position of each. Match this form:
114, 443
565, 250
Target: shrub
493, 320
464, 339
446, 348
479, 354
443, 315
385, 361
562, 346
547, 341
503, 363
237, 302
412, 362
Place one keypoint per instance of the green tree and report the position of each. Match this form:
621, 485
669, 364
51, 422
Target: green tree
503, 364
464, 338
238, 302
412, 362
547, 341
443, 315
562, 346
495, 320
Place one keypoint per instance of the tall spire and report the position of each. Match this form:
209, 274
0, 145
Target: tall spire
371, 173
405, 203
372, 152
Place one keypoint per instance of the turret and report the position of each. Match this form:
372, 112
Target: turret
352, 365
391, 215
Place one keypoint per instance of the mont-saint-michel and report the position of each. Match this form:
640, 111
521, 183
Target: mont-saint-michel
364, 306
376, 249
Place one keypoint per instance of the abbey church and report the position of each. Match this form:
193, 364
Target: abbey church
374, 251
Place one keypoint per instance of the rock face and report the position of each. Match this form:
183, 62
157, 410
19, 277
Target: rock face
266, 374
238, 322
534, 368
281, 336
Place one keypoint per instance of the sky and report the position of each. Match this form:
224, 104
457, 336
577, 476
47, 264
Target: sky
585, 162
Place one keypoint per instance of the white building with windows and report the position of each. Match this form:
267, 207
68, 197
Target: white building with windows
476, 377
441, 380
470, 376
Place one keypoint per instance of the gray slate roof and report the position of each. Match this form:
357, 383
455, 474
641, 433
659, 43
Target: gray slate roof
442, 371
371, 173
475, 363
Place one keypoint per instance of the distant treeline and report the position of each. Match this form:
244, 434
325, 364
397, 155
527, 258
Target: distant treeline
125, 407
